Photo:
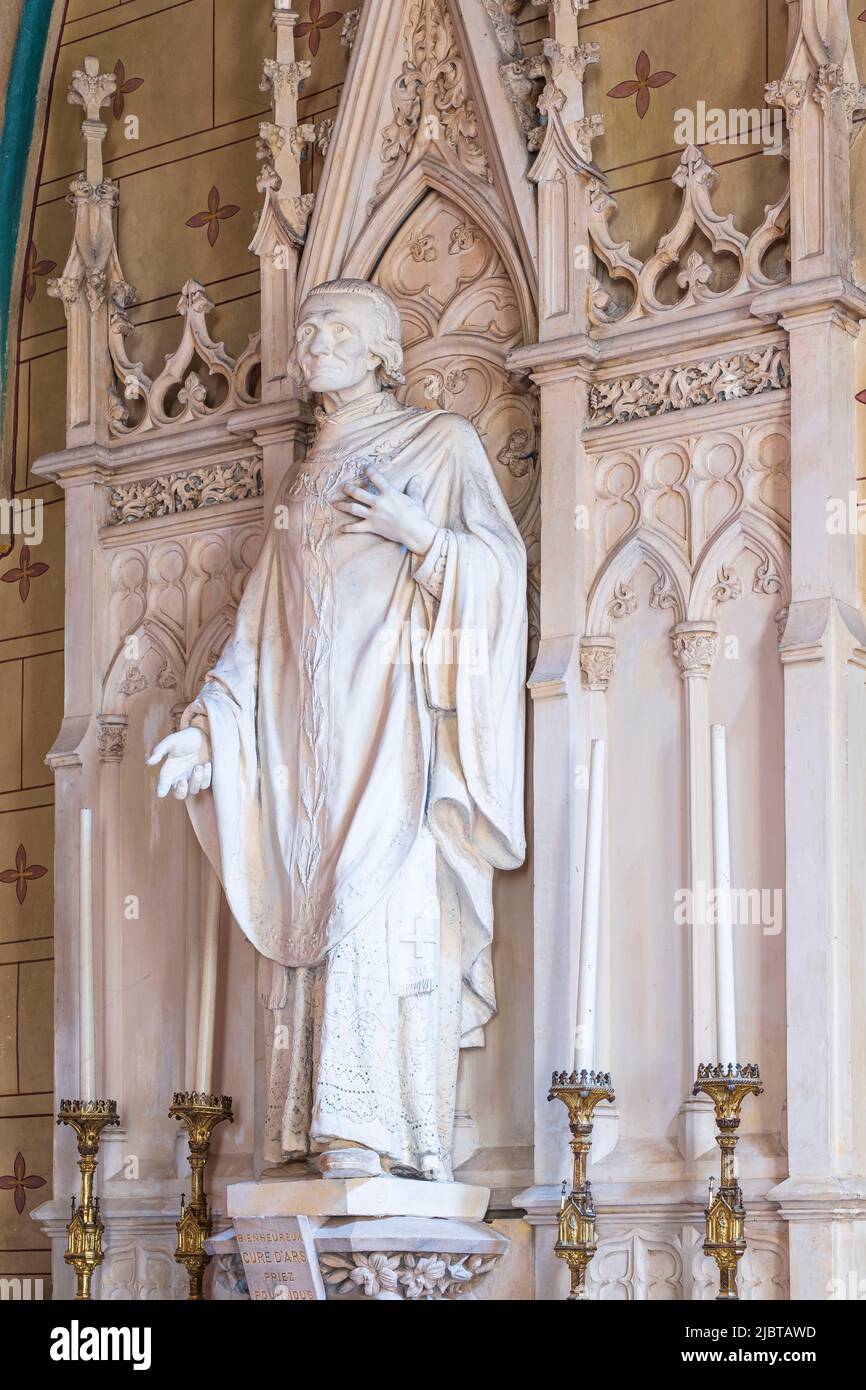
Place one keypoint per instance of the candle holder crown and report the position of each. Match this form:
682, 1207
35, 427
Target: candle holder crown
727, 1087
199, 1113
580, 1092
84, 1230
725, 1214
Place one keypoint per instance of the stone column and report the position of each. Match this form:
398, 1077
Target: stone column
561, 365
694, 649
597, 661
824, 655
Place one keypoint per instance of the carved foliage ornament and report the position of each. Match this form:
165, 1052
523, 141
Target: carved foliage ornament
430, 104
695, 649
185, 492
699, 383
597, 660
437, 1277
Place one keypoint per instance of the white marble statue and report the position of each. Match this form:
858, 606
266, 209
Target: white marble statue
353, 764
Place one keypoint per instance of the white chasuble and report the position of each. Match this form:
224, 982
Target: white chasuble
366, 725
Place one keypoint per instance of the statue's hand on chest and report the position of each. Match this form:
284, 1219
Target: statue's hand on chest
381, 509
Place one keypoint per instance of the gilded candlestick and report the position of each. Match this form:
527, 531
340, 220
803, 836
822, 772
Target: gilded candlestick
580, 1092
199, 1114
725, 1214
84, 1231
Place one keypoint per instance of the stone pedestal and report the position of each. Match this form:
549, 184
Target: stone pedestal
375, 1238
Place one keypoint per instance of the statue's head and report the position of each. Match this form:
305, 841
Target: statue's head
347, 330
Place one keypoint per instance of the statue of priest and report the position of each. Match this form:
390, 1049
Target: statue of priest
353, 764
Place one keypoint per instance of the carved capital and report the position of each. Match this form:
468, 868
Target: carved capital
694, 648
597, 660
111, 732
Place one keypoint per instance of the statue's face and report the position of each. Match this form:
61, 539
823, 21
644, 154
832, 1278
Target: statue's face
333, 341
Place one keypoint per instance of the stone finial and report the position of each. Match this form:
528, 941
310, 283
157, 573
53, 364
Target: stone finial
91, 89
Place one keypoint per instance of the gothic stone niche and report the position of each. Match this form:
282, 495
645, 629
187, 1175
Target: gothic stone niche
461, 318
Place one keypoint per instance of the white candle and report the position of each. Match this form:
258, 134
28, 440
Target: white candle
588, 969
86, 1016
207, 997
726, 1014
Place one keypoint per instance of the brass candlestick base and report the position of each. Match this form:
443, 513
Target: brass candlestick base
725, 1214
581, 1093
84, 1232
199, 1114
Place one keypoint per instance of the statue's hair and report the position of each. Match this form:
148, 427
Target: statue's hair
387, 345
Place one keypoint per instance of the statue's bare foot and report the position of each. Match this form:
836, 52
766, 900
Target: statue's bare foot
351, 1162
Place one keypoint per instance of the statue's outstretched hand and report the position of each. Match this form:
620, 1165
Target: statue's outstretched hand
383, 510
187, 766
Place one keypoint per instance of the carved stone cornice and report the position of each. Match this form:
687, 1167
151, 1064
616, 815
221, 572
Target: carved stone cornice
831, 296
694, 648
597, 660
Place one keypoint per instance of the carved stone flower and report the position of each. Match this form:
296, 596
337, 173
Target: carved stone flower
424, 1276
372, 1274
